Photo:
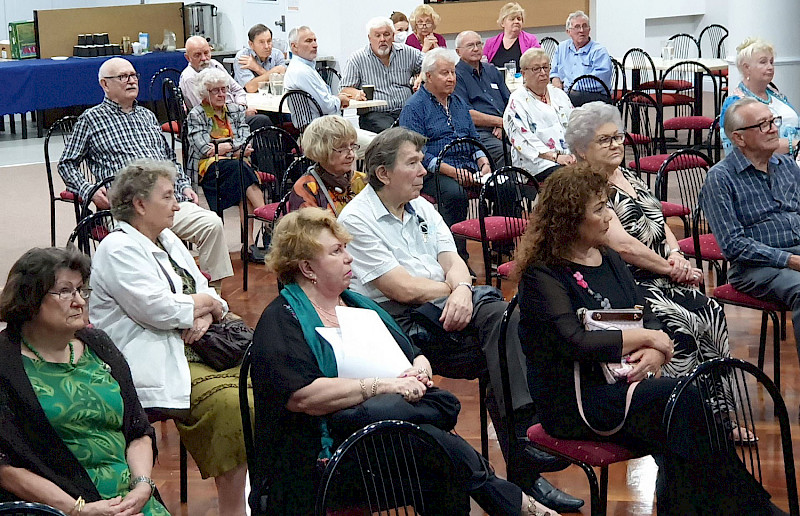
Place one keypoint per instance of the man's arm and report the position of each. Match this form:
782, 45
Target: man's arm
398, 285
601, 66
557, 70
484, 120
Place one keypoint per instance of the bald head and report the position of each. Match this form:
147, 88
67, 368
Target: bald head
112, 67
198, 52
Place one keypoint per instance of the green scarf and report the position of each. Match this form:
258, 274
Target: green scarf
322, 350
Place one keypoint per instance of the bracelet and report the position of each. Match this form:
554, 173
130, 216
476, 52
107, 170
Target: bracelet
79, 505
374, 387
677, 251
143, 479
363, 385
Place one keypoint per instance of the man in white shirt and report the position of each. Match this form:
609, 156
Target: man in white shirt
256, 62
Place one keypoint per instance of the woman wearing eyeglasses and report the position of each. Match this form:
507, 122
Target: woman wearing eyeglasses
216, 167
423, 23
536, 118
73, 434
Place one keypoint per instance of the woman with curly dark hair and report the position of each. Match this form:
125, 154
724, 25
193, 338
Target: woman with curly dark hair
565, 267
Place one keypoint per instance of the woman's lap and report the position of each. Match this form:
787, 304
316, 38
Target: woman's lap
230, 191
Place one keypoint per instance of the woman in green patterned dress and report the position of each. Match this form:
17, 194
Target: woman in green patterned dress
73, 434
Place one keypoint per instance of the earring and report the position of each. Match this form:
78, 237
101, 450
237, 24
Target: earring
313, 280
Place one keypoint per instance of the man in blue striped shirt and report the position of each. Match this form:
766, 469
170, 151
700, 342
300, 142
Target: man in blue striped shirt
752, 201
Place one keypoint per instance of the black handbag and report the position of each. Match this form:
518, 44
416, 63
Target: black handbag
224, 344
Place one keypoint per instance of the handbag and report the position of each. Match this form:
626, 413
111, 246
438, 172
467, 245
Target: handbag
224, 344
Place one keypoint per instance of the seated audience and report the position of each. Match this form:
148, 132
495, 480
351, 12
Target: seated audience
404, 257
259, 60
752, 203
423, 23
73, 434
152, 300
297, 389
331, 182
755, 59
578, 56
390, 67
441, 117
400, 26
510, 44
566, 265
118, 131
218, 166
484, 92
536, 118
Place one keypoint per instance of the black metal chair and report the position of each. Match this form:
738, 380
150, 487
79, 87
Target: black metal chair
641, 120
714, 36
688, 102
86, 204
689, 167
175, 108
619, 81
755, 394
643, 70
591, 84
301, 107
91, 230
686, 47
155, 87
460, 154
28, 509
247, 423
331, 77
389, 467
549, 45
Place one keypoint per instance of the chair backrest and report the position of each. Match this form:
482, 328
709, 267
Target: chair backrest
713, 38
686, 47
505, 379
302, 108
732, 392
389, 467
86, 204
274, 150
689, 168
61, 132
244, 408
642, 120
91, 230
331, 76
28, 509
460, 154
175, 108
549, 45
619, 81
685, 72
296, 168
590, 83
713, 143
155, 89
638, 60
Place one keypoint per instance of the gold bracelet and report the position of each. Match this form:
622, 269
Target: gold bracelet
374, 387
363, 385
78, 507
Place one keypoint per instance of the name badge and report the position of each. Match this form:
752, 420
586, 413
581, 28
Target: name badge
495, 86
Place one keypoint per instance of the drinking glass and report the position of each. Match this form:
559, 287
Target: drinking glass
263, 87
511, 68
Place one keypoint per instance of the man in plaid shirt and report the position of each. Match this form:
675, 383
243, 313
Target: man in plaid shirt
117, 131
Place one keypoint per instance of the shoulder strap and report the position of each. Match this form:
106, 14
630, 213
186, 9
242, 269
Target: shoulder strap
628, 397
324, 189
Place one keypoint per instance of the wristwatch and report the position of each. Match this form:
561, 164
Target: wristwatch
466, 284
141, 479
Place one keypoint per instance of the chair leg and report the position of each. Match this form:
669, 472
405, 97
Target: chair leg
597, 509
484, 418
776, 345
604, 488
783, 325
184, 459
762, 342
52, 222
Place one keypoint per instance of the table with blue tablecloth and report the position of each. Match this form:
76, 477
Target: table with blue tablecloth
39, 84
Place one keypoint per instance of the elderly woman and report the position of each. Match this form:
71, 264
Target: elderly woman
566, 265
510, 44
217, 167
423, 22
298, 393
755, 60
331, 182
400, 26
153, 301
73, 434
536, 118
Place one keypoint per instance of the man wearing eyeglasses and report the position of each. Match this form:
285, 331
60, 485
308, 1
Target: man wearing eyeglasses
117, 131
580, 55
484, 91
752, 202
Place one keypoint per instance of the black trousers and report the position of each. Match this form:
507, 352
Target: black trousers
377, 121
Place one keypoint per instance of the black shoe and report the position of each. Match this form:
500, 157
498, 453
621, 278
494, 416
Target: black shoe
255, 254
546, 494
543, 462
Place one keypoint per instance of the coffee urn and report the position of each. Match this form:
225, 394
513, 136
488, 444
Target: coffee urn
200, 19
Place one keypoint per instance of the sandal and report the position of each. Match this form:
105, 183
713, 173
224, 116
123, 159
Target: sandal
534, 508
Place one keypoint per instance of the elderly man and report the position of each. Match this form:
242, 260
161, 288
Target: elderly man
256, 62
440, 116
578, 56
404, 258
198, 53
484, 91
302, 73
752, 202
387, 66
117, 131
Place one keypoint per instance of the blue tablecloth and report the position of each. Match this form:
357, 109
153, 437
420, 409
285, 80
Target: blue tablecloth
34, 84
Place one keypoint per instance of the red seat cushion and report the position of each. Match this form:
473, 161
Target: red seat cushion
638, 139
676, 99
505, 270
171, 127
688, 122
670, 209
720, 73
206, 275
266, 212
649, 85
675, 84
265, 177
654, 162
498, 229
593, 453
99, 233
728, 293
709, 248
650, 163
67, 196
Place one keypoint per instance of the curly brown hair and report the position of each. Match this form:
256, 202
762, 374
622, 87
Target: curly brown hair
559, 212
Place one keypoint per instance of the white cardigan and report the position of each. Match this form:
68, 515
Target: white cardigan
132, 301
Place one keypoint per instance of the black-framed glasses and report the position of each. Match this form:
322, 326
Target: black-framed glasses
66, 294
350, 148
125, 77
538, 69
607, 140
766, 125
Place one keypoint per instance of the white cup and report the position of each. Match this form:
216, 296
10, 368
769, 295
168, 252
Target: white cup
137, 48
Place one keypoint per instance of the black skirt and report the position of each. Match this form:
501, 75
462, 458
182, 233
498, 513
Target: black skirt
230, 190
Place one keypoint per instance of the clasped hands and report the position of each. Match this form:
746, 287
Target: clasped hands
226, 148
130, 505
658, 350
682, 271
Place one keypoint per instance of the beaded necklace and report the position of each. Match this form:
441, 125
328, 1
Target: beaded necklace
746, 90
604, 302
41, 358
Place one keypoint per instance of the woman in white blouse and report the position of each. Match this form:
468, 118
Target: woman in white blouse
536, 119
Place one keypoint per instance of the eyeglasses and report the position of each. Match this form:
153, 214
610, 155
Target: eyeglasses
216, 91
350, 148
125, 77
424, 24
606, 141
585, 26
766, 125
477, 44
66, 294
537, 69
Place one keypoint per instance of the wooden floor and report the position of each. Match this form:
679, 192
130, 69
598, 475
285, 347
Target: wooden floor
631, 485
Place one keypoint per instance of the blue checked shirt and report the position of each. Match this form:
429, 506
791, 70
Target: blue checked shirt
754, 215
108, 139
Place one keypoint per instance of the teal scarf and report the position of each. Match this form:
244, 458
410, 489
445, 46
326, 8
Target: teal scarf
322, 350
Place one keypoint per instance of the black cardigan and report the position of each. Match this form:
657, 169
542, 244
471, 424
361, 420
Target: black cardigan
27, 440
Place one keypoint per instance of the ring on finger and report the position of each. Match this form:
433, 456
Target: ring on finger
650, 374
407, 394
416, 392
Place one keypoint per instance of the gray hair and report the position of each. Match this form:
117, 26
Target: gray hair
208, 78
577, 14
379, 22
136, 181
464, 34
532, 54
383, 149
586, 120
436, 55
294, 34
107, 65
733, 119
748, 47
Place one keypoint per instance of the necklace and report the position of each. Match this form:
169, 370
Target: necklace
543, 98
41, 358
326, 315
758, 98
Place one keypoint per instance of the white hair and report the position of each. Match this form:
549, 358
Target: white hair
107, 65
464, 34
294, 34
436, 55
379, 22
576, 14
210, 77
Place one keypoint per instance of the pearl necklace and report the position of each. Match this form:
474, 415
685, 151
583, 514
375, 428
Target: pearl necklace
41, 358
